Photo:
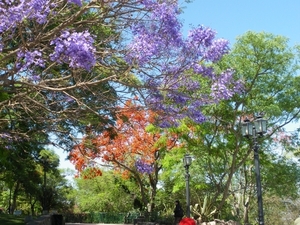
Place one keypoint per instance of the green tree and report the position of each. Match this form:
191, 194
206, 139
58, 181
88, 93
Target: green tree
23, 176
106, 193
54, 190
223, 164
18, 169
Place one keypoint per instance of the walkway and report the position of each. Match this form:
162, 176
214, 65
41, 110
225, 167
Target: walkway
94, 224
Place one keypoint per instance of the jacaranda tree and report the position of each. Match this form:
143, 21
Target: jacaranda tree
66, 64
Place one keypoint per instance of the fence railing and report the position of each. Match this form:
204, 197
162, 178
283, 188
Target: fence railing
100, 217
115, 218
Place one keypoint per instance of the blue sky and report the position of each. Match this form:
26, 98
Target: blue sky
232, 18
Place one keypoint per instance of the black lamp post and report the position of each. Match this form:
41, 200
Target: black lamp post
248, 130
187, 161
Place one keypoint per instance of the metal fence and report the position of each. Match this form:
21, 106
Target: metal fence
100, 217
115, 218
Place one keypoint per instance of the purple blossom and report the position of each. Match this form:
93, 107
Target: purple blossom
74, 48
165, 124
196, 115
159, 49
220, 87
148, 3
217, 49
200, 36
148, 41
26, 59
35, 78
77, 2
12, 13
143, 167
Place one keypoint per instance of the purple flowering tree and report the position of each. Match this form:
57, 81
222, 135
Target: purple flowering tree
174, 67
65, 64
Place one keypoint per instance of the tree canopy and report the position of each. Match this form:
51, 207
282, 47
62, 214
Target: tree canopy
223, 165
66, 64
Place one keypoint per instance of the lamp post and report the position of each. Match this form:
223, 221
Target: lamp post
248, 130
187, 161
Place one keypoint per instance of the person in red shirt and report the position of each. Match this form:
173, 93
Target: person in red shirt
187, 221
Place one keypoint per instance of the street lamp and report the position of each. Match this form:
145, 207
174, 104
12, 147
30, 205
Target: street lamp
248, 130
187, 161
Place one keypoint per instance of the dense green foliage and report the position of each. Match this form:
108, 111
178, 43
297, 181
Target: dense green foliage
106, 193
35, 185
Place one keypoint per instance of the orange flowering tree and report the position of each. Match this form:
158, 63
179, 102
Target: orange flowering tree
130, 147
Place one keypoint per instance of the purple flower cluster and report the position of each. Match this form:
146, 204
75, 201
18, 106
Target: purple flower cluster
26, 59
74, 48
77, 2
143, 167
34, 78
13, 12
219, 89
159, 49
203, 46
27, 62
157, 36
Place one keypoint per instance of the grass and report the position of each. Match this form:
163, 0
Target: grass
6, 219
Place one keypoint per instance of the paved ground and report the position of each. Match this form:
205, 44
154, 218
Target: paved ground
93, 224
83, 224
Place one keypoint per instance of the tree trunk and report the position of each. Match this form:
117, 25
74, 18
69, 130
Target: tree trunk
14, 197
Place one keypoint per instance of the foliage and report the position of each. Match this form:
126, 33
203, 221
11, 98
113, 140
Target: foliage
129, 148
55, 190
107, 193
19, 171
203, 211
223, 162
26, 181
